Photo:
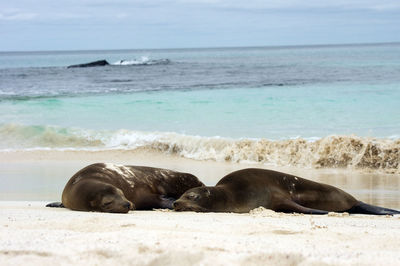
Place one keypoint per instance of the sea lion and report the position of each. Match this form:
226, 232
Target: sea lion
91, 64
107, 187
244, 190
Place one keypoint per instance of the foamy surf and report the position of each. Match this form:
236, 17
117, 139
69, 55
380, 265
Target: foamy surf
331, 151
144, 60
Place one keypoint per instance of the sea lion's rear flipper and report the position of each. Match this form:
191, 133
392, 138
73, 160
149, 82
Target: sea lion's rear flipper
291, 206
55, 205
364, 208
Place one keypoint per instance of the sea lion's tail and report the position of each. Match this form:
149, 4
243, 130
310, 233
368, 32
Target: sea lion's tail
364, 208
55, 205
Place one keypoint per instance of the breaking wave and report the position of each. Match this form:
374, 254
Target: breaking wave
143, 61
330, 152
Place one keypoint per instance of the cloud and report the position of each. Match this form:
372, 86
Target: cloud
121, 9
89, 24
299, 4
16, 14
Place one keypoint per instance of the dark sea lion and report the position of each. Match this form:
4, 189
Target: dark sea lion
119, 188
246, 189
91, 64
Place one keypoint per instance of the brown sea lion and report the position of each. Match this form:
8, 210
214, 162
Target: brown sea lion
246, 189
107, 187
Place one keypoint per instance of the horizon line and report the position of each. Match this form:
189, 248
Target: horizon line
209, 48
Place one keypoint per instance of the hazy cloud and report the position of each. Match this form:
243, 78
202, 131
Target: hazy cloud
300, 4
50, 9
103, 24
16, 14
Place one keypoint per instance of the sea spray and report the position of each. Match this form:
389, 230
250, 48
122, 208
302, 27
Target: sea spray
143, 61
330, 152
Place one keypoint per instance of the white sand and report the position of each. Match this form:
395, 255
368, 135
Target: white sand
31, 234
34, 235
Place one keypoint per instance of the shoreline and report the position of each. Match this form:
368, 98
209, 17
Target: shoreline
150, 156
42, 174
333, 151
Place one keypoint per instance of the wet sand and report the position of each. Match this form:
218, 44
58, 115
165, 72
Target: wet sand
42, 174
33, 234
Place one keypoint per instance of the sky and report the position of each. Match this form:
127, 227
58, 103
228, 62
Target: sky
34, 25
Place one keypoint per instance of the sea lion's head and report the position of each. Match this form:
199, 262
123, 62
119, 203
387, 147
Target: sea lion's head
108, 198
199, 199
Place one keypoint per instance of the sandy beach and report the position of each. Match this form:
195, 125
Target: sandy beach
35, 235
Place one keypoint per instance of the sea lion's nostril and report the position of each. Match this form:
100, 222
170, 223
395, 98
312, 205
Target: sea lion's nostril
127, 205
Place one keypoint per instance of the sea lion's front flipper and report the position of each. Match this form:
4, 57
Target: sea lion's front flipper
290, 206
55, 205
150, 201
167, 202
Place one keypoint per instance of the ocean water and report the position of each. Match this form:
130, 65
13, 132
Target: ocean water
311, 106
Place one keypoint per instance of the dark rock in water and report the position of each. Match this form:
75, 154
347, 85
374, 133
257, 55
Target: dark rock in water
91, 64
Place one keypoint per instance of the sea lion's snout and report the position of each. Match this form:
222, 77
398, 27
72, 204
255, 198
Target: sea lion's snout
175, 205
183, 205
179, 205
129, 205
125, 207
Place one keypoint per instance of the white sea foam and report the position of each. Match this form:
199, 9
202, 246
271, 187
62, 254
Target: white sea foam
144, 60
330, 151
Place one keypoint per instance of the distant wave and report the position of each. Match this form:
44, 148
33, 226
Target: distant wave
125, 88
99, 91
330, 151
144, 60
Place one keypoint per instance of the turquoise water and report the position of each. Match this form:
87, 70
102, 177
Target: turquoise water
312, 105
310, 111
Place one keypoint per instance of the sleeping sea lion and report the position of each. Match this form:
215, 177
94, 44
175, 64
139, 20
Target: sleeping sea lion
108, 187
244, 190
